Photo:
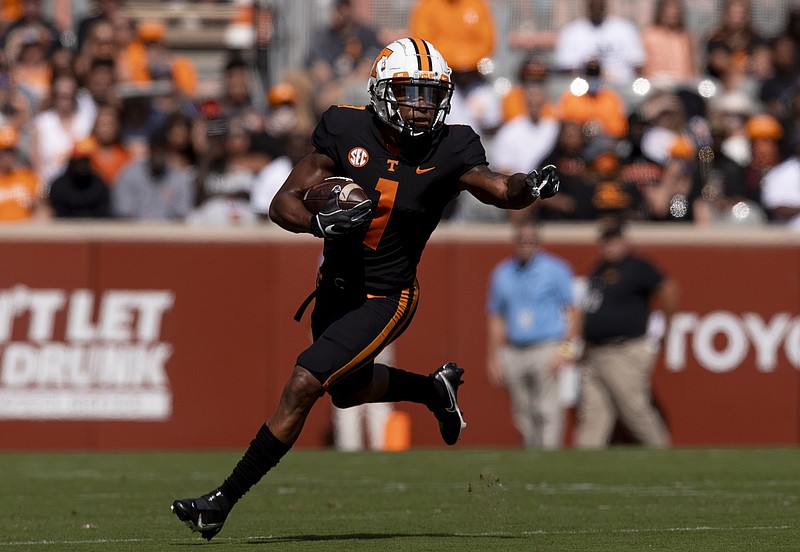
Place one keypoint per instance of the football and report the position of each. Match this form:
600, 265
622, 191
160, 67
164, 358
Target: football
316, 197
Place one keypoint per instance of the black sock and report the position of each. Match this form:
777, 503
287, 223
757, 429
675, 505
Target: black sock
263, 454
411, 387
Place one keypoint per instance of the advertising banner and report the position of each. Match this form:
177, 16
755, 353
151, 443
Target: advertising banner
132, 341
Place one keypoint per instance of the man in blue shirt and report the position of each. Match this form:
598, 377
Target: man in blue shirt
531, 335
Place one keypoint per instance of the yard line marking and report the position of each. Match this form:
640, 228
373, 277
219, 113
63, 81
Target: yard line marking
536, 532
658, 530
59, 542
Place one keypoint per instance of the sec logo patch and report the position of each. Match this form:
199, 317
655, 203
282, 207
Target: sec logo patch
358, 157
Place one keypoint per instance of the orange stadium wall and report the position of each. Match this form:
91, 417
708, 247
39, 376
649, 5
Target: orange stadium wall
116, 339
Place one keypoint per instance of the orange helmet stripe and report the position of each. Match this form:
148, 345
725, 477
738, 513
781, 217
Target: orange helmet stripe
423, 54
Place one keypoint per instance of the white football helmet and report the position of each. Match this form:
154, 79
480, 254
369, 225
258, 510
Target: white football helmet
410, 87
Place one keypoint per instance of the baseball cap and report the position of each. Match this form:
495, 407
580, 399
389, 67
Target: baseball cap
763, 126
282, 93
152, 31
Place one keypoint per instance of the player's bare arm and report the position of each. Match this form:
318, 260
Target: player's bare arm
514, 191
287, 209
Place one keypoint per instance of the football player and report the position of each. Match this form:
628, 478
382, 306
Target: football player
411, 165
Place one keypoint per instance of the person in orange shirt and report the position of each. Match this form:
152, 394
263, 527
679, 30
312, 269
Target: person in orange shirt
109, 156
146, 58
597, 104
532, 69
462, 30
20, 189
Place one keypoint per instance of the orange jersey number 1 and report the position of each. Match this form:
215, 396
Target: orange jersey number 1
388, 191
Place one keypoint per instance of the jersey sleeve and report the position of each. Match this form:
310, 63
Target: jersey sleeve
468, 147
323, 137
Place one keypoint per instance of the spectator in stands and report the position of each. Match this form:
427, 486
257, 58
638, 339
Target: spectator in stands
32, 21
160, 64
666, 117
56, 130
109, 156
104, 10
671, 56
533, 68
612, 196
672, 142
16, 110
780, 192
79, 192
594, 105
765, 134
736, 55
236, 99
62, 60
575, 193
31, 67
734, 109
152, 189
717, 176
98, 86
182, 139
793, 28
529, 137
287, 114
611, 40
21, 196
226, 182
337, 50
636, 167
462, 30
130, 56
777, 88
271, 166
138, 117
100, 44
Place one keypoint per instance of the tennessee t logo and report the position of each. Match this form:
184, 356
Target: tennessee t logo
392, 164
420, 170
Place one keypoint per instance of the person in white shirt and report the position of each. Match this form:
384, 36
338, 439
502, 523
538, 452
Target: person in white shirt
614, 40
780, 188
525, 140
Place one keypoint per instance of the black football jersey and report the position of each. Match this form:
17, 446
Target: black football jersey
409, 192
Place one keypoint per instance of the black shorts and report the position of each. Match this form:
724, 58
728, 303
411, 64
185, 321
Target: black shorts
351, 328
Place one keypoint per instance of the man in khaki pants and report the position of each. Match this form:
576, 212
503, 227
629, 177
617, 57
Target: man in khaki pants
618, 359
530, 309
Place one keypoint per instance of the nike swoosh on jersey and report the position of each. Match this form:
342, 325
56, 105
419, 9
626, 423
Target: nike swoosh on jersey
420, 170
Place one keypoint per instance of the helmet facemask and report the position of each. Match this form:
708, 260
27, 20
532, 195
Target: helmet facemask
413, 106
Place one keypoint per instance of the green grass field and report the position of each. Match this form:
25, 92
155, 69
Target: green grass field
461, 500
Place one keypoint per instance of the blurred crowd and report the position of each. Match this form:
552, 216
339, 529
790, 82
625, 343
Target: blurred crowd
100, 118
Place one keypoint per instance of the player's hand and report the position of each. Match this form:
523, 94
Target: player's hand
543, 183
333, 221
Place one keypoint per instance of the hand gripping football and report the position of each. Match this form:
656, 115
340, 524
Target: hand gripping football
350, 194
